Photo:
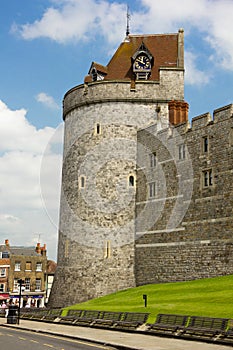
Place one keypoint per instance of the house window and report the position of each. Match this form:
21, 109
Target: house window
17, 266
16, 285
27, 283
38, 266
182, 151
38, 284
4, 255
28, 266
3, 272
2, 287
152, 189
207, 178
131, 180
153, 159
205, 144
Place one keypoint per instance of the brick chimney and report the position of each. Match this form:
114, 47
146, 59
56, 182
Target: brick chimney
178, 112
38, 248
43, 250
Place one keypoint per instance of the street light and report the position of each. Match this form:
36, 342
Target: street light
20, 281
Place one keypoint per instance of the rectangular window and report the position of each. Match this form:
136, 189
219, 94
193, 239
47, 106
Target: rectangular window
28, 266
38, 284
207, 178
182, 151
4, 255
27, 284
205, 144
16, 285
153, 159
38, 266
3, 272
17, 266
2, 287
152, 189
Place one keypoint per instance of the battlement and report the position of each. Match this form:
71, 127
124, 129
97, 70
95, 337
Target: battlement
225, 112
220, 114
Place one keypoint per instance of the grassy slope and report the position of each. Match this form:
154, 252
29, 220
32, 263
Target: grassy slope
208, 297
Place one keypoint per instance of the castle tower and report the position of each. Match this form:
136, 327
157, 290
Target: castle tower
96, 250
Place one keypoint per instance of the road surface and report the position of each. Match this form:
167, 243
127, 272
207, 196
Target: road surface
13, 339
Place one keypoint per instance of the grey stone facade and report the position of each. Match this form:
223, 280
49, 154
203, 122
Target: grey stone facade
96, 251
199, 243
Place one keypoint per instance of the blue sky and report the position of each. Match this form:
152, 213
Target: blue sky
47, 47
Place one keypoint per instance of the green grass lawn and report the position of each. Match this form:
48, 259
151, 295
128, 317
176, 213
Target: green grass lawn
208, 297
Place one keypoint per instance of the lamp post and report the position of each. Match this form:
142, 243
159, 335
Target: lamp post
20, 281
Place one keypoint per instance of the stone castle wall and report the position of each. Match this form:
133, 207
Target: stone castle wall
189, 234
96, 250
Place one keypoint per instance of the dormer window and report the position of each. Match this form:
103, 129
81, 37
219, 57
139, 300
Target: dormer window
94, 74
142, 63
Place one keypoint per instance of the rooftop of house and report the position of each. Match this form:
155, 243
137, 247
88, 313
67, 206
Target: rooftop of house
164, 49
22, 250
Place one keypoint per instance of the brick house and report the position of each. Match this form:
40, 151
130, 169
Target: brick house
28, 264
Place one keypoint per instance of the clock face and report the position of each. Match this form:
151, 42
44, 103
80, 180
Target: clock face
142, 62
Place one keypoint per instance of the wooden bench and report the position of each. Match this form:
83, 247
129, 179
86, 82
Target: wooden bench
52, 315
87, 317
131, 320
229, 332
71, 317
205, 326
107, 319
168, 323
34, 314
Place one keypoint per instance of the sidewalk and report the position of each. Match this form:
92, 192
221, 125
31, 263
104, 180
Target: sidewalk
114, 338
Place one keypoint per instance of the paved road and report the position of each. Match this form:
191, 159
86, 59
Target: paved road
12, 339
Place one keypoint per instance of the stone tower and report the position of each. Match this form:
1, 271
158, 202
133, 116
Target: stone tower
96, 250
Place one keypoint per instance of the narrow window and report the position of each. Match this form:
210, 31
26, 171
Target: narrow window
152, 190
27, 284
153, 159
182, 151
38, 284
231, 137
97, 129
28, 266
207, 178
3, 272
107, 254
16, 285
131, 180
67, 245
2, 287
17, 266
38, 266
82, 182
205, 144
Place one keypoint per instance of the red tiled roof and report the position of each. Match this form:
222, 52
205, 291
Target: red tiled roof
163, 47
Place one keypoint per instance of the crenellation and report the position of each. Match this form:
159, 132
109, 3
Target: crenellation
201, 121
222, 113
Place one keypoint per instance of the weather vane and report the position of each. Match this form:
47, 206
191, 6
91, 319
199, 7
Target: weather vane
128, 18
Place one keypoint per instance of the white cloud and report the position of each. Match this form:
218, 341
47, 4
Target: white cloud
23, 148
71, 20
75, 20
47, 100
193, 75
